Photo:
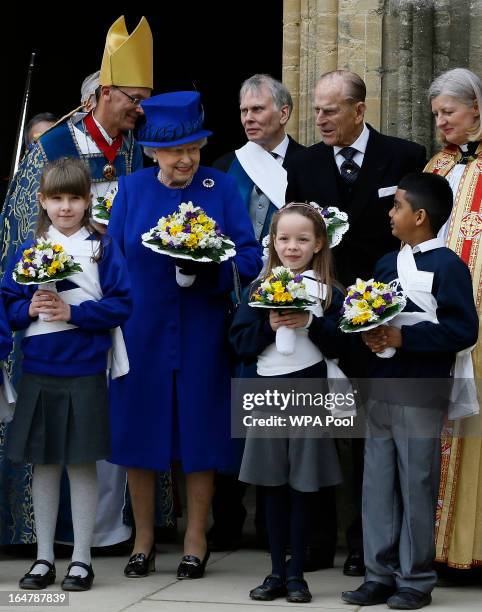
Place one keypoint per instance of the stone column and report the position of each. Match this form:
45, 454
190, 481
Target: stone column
309, 48
360, 48
423, 38
422, 63
318, 55
291, 59
475, 37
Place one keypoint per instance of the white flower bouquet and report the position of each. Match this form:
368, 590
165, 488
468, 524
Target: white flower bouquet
43, 264
282, 289
189, 233
369, 304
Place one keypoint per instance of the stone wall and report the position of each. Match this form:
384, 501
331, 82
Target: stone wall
397, 46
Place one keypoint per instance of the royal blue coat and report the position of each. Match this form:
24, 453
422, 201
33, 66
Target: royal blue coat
175, 401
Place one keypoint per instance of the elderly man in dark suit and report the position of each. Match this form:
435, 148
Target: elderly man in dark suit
259, 168
357, 169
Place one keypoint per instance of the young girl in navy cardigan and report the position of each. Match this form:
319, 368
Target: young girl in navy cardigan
292, 469
61, 418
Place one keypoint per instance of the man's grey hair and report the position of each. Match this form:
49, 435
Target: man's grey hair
463, 85
355, 89
279, 92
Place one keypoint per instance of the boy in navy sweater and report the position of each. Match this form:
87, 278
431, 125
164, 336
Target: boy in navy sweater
402, 451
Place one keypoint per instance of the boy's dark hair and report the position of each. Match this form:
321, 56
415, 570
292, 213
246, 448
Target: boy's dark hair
430, 192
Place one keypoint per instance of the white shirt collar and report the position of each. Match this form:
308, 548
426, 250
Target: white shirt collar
81, 234
282, 148
360, 143
102, 131
428, 245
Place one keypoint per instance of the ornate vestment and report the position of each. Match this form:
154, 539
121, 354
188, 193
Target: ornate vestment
459, 509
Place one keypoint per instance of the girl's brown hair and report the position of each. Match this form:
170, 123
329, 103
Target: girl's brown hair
66, 175
322, 262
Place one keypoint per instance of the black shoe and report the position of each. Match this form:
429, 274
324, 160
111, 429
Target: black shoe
192, 567
139, 566
78, 583
38, 581
273, 587
354, 565
409, 599
315, 559
369, 593
297, 593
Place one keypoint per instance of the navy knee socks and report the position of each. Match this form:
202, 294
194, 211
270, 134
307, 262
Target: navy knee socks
287, 519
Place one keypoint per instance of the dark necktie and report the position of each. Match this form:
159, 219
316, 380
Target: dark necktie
349, 169
470, 152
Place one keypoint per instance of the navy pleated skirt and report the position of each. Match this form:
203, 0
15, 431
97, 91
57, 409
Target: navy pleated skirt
60, 420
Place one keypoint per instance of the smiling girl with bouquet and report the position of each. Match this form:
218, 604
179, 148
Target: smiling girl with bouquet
61, 417
290, 469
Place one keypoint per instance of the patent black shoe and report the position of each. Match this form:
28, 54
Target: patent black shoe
298, 591
273, 587
409, 599
354, 565
139, 566
370, 593
38, 581
192, 567
78, 583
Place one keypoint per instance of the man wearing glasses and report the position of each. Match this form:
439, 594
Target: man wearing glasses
103, 138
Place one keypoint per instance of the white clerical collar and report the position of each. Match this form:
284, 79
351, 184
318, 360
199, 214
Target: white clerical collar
102, 131
428, 245
281, 149
360, 143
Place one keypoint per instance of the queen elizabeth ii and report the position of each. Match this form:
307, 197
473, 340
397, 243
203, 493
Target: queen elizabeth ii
174, 405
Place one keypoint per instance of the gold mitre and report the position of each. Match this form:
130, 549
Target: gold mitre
127, 59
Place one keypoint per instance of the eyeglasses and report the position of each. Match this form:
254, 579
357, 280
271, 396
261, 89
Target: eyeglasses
134, 101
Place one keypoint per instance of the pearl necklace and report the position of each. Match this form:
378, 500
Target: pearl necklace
162, 179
